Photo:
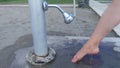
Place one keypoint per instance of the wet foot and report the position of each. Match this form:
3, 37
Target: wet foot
86, 49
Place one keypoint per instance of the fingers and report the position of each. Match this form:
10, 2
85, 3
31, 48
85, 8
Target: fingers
78, 57
75, 59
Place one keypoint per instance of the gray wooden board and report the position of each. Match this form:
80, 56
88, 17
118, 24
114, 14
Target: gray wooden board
66, 47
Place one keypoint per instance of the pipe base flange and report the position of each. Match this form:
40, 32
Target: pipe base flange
41, 60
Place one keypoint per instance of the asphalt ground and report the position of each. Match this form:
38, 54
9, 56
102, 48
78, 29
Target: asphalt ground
15, 22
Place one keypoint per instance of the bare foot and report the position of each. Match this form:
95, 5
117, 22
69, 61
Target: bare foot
86, 49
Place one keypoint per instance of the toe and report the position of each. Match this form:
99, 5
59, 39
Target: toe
75, 59
78, 56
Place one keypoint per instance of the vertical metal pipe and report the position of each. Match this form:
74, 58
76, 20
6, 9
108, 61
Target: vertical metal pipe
38, 27
74, 7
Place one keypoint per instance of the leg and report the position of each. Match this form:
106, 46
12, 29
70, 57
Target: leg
109, 19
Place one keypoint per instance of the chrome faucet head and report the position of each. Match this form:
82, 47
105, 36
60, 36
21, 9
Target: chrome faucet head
68, 18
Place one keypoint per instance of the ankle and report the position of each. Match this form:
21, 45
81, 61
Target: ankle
92, 44
95, 40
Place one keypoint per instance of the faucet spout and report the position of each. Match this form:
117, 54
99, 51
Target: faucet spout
56, 6
68, 18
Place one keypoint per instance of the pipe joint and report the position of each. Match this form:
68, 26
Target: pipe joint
41, 60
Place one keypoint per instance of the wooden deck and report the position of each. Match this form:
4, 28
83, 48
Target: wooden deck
99, 8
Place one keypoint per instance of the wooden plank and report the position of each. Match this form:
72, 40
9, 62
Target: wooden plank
99, 8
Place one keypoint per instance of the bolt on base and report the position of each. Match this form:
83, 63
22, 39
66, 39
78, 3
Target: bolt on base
41, 60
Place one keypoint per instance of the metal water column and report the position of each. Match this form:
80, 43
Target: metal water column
41, 54
38, 27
